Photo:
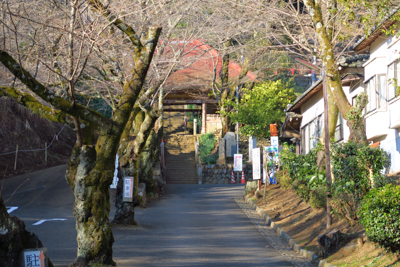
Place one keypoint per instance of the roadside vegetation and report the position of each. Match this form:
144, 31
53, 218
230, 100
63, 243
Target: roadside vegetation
206, 146
364, 200
260, 106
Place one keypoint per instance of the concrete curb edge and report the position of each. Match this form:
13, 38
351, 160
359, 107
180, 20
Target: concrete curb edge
303, 252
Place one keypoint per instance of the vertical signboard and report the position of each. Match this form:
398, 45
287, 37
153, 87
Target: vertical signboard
36, 257
128, 189
256, 164
238, 162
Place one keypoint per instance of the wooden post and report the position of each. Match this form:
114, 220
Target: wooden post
16, 156
45, 152
203, 118
327, 156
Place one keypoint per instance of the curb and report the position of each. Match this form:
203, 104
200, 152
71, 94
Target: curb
303, 252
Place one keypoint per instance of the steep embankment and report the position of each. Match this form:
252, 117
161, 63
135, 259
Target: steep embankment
19, 126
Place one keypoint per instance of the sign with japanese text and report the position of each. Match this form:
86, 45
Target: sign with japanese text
238, 162
256, 164
128, 189
36, 257
274, 141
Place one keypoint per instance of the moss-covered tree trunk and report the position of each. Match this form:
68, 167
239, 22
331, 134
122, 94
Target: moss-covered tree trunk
149, 156
91, 166
334, 85
130, 165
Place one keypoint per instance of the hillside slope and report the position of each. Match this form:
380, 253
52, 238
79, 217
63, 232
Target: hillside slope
19, 126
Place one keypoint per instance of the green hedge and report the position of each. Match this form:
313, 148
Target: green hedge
379, 215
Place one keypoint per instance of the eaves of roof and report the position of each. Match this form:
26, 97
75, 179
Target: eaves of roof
376, 31
306, 95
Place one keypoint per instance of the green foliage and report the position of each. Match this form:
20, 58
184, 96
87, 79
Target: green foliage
305, 175
284, 179
352, 164
379, 215
261, 106
318, 197
206, 145
374, 11
97, 104
353, 167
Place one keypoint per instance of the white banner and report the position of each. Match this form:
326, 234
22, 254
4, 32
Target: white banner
115, 178
256, 164
238, 162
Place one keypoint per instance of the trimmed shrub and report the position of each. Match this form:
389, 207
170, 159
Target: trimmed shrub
284, 179
301, 189
379, 215
302, 170
355, 168
345, 206
318, 198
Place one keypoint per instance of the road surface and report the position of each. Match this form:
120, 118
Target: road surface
190, 225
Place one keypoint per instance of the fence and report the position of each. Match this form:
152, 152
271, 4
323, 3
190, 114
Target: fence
33, 150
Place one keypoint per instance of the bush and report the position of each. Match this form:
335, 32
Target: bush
379, 215
355, 168
301, 189
206, 145
318, 197
303, 171
345, 206
284, 179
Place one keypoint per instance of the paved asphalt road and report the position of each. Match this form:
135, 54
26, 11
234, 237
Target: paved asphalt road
190, 225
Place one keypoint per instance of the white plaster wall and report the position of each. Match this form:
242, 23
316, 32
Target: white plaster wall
376, 65
312, 108
383, 52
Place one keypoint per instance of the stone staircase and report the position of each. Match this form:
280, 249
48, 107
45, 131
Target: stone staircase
179, 151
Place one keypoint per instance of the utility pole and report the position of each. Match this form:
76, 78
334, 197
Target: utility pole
237, 127
327, 154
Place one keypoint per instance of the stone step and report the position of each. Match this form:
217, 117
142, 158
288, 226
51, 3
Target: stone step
178, 160
180, 175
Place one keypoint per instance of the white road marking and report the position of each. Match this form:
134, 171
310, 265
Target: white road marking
42, 221
27, 190
11, 209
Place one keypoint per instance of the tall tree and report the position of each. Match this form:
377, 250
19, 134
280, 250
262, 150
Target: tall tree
90, 169
325, 29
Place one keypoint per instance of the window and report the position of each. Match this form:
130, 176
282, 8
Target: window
353, 100
339, 129
303, 140
371, 95
376, 90
381, 91
393, 79
311, 133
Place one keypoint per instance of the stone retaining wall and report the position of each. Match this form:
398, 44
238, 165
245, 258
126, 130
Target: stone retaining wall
221, 173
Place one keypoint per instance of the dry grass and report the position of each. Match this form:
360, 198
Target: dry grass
304, 224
